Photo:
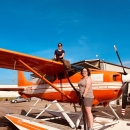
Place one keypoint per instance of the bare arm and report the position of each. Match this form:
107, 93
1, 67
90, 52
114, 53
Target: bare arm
88, 84
54, 56
62, 55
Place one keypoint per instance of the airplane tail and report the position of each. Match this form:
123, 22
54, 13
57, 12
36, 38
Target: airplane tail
22, 81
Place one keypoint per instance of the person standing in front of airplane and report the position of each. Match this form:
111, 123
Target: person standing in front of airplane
59, 53
85, 89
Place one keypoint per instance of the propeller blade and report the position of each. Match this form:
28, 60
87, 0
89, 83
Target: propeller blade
119, 59
124, 97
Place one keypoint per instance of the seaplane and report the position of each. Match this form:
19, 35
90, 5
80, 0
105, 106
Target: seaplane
58, 83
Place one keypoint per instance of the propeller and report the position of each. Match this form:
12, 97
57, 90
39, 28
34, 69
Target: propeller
126, 80
120, 59
124, 97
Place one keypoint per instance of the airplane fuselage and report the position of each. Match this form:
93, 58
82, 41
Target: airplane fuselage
106, 87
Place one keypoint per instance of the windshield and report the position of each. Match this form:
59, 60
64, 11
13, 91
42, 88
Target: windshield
18, 97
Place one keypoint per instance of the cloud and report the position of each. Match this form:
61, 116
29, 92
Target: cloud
59, 31
75, 21
71, 60
44, 53
62, 23
78, 53
126, 63
82, 40
48, 54
84, 37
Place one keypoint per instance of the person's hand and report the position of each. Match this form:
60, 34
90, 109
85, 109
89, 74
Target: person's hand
54, 58
82, 96
81, 99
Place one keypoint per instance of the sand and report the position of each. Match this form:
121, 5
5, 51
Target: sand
23, 107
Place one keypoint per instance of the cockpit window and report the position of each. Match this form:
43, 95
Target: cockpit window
70, 73
114, 77
49, 78
62, 75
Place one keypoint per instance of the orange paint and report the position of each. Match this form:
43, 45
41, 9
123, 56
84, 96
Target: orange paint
99, 95
8, 59
22, 80
109, 76
95, 102
21, 123
40, 66
40, 76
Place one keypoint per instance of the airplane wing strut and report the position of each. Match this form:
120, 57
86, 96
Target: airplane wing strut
40, 76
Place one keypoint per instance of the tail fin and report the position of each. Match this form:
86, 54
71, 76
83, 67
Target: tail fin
22, 81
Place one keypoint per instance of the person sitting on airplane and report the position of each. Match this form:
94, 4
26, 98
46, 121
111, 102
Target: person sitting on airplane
59, 56
59, 53
85, 89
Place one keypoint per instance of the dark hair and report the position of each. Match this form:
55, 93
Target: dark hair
59, 44
87, 70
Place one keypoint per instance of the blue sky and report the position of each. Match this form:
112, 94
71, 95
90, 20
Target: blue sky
85, 28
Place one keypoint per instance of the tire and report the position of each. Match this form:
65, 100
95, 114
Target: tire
15, 101
27, 100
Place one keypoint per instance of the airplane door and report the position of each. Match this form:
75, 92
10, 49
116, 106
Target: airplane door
61, 76
60, 84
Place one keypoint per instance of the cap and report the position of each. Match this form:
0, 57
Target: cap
59, 44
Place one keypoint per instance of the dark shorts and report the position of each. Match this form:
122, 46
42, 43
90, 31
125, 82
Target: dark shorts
88, 102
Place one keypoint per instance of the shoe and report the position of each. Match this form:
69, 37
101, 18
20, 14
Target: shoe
87, 128
82, 128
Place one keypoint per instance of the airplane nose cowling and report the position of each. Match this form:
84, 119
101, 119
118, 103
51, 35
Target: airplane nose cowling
126, 78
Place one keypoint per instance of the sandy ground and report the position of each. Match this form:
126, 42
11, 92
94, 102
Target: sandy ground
22, 108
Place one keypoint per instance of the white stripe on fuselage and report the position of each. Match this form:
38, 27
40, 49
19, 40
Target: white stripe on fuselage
45, 88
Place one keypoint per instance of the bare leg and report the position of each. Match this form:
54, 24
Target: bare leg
89, 116
87, 120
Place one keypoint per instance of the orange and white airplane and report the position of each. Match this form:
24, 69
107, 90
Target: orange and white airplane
52, 83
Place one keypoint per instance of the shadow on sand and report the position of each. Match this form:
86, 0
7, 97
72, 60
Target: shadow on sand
33, 114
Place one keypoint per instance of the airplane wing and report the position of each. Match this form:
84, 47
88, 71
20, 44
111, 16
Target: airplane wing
94, 64
9, 60
12, 89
